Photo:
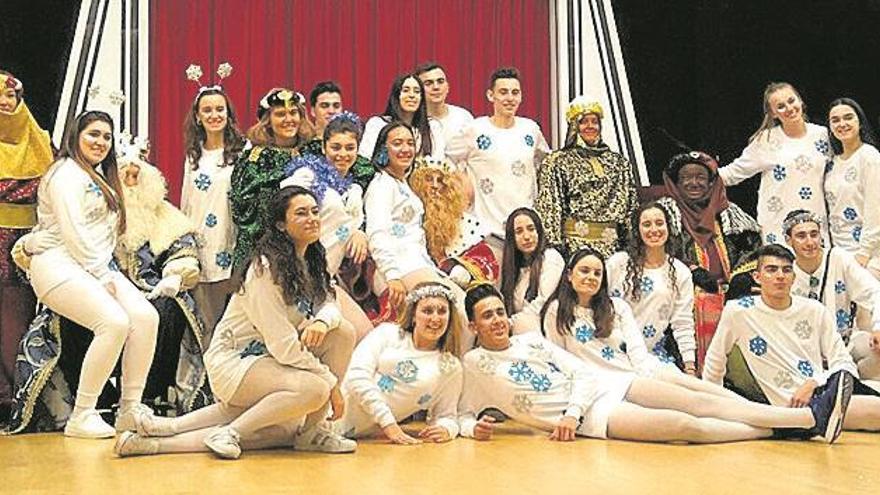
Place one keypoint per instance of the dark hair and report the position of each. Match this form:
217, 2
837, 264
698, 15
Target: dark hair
393, 112
503, 73
194, 135
775, 250
299, 279
19, 93
427, 66
600, 303
635, 248
513, 260
476, 294
340, 124
321, 88
381, 148
866, 132
111, 187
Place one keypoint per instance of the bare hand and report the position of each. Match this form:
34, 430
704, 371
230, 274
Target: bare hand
396, 293
874, 342
110, 287
357, 248
690, 368
436, 434
484, 428
313, 334
337, 403
398, 436
862, 259
564, 431
802, 396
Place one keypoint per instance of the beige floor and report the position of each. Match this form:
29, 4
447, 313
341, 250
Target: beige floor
518, 461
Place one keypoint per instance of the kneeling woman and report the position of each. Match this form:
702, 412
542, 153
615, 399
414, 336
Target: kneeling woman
263, 362
641, 400
399, 369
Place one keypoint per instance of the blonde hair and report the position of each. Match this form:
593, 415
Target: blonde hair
769, 121
442, 217
449, 341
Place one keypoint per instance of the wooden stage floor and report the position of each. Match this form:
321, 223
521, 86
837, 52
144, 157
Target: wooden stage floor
517, 461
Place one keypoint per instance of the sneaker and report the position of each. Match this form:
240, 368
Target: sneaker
130, 443
223, 441
155, 426
128, 419
88, 424
829, 407
322, 438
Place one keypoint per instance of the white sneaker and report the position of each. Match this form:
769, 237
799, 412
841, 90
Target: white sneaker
322, 438
88, 424
129, 444
223, 441
128, 419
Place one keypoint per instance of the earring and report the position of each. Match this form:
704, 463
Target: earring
199, 123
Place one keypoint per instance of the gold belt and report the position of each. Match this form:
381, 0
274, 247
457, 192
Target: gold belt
590, 231
15, 216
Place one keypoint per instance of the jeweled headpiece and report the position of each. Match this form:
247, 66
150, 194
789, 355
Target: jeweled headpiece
431, 290
798, 217
280, 97
581, 106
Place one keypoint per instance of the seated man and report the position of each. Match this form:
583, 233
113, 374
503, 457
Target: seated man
782, 349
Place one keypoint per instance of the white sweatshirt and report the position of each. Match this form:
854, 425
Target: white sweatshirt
526, 314
853, 202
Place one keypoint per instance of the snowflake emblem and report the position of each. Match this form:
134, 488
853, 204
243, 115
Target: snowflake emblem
771, 238
487, 364
342, 233
448, 363
851, 175
538, 352
647, 286
758, 345
850, 213
211, 220
843, 319
857, 233
407, 371
223, 259
805, 193
649, 331
483, 142
386, 383
540, 383
803, 164
774, 204
783, 379
487, 186
94, 189
424, 400
803, 329
746, 302
822, 146
522, 403
779, 172
664, 311
408, 213
839, 287
805, 368
398, 230
518, 168
530, 141
615, 292
584, 333
607, 353
831, 198
304, 306
254, 348
520, 372
202, 182
227, 339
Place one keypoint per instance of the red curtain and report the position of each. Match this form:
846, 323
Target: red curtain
361, 44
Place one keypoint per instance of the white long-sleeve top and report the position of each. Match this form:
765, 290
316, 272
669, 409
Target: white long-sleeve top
204, 199
258, 324
341, 215
622, 351
454, 121
782, 348
551, 273
73, 215
388, 379
375, 124
394, 227
853, 202
844, 282
533, 381
659, 306
503, 165
792, 171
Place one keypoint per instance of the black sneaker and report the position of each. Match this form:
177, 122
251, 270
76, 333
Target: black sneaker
829, 407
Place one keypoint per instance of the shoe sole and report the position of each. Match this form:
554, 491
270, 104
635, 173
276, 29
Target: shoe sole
844, 394
89, 436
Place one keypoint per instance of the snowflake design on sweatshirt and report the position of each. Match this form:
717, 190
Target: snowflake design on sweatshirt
805, 367
530, 141
660, 351
803, 163
758, 345
424, 400
486, 185
254, 348
746, 302
342, 233
398, 230
522, 403
649, 331
487, 364
386, 383
774, 204
202, 182
831, 198
407, 371
484, 142
857, 233
448, 363
783, 379
607, 353
822, 146
520, 372
647, 286
584, 333
805, 193
839, 287
851, 175
539, 352
540, 383
779, 173
803, 329
408, 214
850, 213
210, 220
518, 168
223, 259
94, 189
843, 319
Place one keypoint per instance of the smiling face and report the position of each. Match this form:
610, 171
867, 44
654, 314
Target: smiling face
284, 122
786, 106
590, 128
341, 150
525, 234
436, 85
302, 220
212, 113
506, 96
844, 123
326, 106
430, 321
410, 95
491, 324
8, 100
806, 240
586, 277
95, 141
401, 148
652, 228
693, 181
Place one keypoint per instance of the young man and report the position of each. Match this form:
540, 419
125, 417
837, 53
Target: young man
325, 101
785, 349
450, 117
834, 278
501, 154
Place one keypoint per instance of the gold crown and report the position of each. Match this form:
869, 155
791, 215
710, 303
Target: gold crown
440, 164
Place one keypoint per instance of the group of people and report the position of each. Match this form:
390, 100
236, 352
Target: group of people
325, 280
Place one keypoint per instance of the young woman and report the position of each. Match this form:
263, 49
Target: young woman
282, 128
530, 270
790, 154
657, 286
81, 212
213, 143
406, 103
265, 360
399, 369
854, 213
640, 400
